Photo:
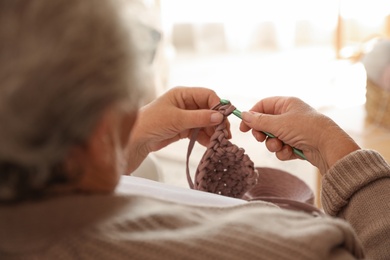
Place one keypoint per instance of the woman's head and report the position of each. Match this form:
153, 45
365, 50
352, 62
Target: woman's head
63, 63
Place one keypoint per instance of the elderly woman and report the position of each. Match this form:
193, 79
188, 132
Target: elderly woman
71, 81
71, 84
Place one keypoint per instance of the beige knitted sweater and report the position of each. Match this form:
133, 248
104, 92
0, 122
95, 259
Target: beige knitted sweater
138, 227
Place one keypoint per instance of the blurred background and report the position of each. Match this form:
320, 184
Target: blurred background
264, 47
250, 49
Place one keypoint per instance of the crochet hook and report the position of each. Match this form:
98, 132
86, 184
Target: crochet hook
237, 113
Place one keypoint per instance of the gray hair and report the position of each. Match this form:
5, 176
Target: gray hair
62, 62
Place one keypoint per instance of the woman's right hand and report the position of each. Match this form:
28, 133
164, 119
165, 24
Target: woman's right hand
296, 124
171, 117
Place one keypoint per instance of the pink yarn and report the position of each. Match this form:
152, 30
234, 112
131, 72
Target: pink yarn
224, 169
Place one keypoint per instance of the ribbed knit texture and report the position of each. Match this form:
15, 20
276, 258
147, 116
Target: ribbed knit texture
357, 189
136, 227
120, 227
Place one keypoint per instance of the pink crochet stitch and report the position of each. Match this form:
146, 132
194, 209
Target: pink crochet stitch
224, 168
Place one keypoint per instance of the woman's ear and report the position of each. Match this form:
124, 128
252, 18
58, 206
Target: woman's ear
102, 159
96, 159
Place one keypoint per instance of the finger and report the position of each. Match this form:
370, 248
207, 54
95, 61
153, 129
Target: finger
211, 130
274, 144
261, 122
270, 105
244, 127
203, 138
286, 153
197, 97
259, 136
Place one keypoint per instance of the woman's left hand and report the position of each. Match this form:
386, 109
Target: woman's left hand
174, 116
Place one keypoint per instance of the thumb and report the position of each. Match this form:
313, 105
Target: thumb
201, 118
257, 121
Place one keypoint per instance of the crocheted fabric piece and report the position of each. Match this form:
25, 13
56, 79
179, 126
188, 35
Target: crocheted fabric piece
224, 169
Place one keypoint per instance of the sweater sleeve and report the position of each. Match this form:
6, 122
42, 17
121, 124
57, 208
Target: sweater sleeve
357, 189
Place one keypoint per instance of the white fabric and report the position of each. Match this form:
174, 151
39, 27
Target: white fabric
149, 169
140, 186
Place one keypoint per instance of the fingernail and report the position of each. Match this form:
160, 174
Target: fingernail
248, 116
216, 118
